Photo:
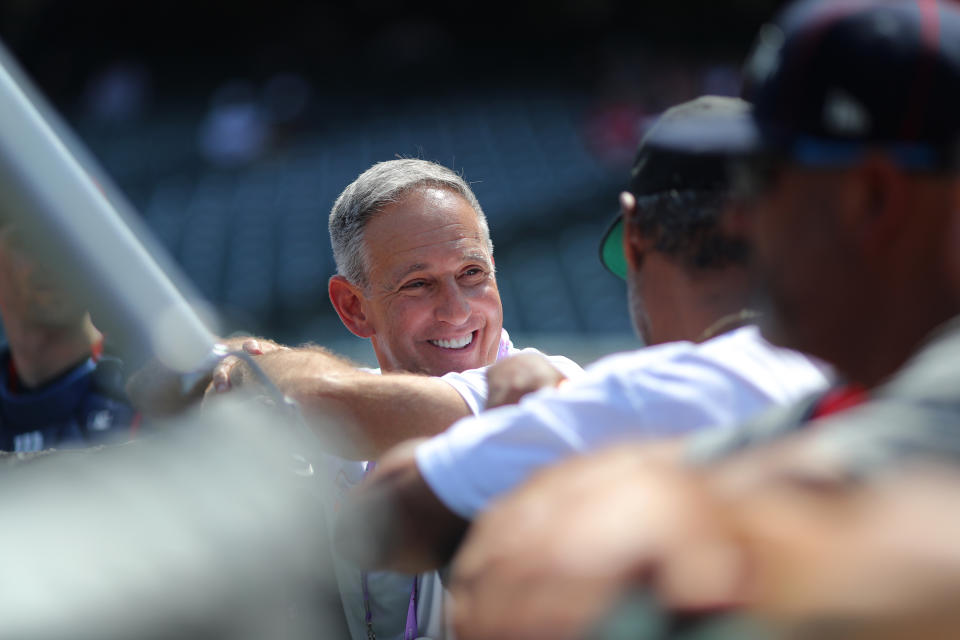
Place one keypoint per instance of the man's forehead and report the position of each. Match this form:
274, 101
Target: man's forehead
425, 226
425, 209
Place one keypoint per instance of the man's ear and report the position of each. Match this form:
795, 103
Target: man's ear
348, 300
880, 204
635, 244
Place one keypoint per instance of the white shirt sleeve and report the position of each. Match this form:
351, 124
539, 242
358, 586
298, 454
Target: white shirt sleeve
479, 458
472, 384
658, 392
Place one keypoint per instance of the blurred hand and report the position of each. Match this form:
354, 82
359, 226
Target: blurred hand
228, 372
552, 559
512, 378
232, 372
880, 559
157, 391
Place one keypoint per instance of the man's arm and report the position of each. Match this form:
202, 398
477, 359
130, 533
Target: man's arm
472, 463
552, 558
373, 412
394, 520
512, 378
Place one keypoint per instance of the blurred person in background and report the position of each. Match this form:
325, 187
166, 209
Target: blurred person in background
678, 246
853, 165
57, 389
416, 277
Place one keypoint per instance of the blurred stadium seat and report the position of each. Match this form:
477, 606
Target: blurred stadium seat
253, 236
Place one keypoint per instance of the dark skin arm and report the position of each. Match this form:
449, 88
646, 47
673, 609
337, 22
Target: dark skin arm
512, 378
394, 521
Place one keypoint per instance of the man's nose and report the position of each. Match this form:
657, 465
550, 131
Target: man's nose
453, 307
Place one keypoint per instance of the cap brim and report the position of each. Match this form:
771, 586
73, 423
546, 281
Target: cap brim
721, 134
611, 249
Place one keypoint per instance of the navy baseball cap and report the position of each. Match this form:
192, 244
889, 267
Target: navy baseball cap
832, 79
662, 165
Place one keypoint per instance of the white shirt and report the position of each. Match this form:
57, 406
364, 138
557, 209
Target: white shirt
661, 391
390, 591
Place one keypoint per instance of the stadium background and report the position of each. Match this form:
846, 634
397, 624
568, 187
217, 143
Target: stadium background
232, 126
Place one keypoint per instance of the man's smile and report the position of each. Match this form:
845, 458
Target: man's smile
455, 343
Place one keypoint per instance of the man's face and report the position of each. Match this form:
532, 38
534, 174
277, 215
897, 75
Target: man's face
802, 262
432, 299
28, 291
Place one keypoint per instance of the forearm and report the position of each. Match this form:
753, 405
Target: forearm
394, 521
372, 413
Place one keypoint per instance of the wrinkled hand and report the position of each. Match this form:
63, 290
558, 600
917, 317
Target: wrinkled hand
512, 378
551, 560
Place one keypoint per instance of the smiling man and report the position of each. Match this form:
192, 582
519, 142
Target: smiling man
415, 275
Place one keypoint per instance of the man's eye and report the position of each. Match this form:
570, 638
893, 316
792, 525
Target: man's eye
473, 271
416, 284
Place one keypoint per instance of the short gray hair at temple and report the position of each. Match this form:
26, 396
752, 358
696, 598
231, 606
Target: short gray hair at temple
382, 184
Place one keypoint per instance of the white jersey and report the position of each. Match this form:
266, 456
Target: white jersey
656, 392
389, 592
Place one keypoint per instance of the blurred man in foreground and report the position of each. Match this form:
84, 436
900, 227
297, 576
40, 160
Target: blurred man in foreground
56, 387
687, 282
855, 146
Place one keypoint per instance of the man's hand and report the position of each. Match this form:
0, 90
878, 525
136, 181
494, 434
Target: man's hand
156, 391
875, 560
221, 378
512, 378
552, 559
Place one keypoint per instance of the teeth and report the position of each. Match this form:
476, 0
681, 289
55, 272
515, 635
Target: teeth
456, 343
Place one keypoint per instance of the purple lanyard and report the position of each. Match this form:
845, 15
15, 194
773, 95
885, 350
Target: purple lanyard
411, 630
505, 345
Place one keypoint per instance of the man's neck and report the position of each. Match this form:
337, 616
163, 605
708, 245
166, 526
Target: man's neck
882, 348
700, 306
41, 354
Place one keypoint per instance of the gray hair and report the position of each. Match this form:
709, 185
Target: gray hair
382, 184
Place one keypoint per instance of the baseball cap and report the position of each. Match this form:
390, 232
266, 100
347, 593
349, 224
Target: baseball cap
832, 79
662, 165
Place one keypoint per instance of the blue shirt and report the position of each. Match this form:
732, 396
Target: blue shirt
83, 407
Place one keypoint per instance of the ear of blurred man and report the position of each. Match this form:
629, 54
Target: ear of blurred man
631, 249
880, 212
635, 248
